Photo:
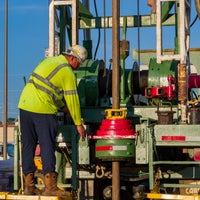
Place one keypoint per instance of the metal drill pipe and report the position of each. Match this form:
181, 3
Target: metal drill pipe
5, 108
115, 90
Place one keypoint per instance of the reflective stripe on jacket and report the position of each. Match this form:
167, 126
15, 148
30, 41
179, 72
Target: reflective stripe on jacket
51, 81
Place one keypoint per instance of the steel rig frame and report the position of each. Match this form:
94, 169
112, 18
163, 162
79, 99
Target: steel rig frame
154, 134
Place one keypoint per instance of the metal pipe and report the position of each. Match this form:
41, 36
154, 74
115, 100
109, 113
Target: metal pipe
75, 22
158, 32
51, 29
115, 90
16, 159
20, 155
5, 83
122, 81
115, 55
182, 29
87, 32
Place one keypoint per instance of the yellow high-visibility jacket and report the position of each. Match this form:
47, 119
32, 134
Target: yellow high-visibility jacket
51, 81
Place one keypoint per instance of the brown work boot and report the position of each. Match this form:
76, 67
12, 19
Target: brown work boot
51, 189
29, 185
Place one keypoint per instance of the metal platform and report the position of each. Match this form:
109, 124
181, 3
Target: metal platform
172, 196
5, 196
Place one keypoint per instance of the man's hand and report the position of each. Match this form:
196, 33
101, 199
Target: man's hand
82, 132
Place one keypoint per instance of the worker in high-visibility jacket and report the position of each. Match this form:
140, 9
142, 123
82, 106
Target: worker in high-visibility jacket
51, 81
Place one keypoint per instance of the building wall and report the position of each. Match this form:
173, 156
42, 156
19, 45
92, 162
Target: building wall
10, 133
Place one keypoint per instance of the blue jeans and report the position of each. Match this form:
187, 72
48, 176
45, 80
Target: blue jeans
38, 128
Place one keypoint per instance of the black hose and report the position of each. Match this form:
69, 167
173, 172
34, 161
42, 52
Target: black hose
99, 33
194, 21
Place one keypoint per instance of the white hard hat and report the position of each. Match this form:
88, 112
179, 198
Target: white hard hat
77, 51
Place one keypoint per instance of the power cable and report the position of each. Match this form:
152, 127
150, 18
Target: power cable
194, 21
99, 32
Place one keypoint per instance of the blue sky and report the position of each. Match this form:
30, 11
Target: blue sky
28, 38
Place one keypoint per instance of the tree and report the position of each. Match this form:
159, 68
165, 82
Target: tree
11, 120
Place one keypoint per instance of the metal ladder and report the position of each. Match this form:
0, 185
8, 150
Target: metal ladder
53, 17
183, 31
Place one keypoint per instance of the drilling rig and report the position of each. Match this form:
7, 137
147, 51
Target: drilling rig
142, 121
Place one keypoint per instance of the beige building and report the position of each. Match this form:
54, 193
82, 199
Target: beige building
10, 133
